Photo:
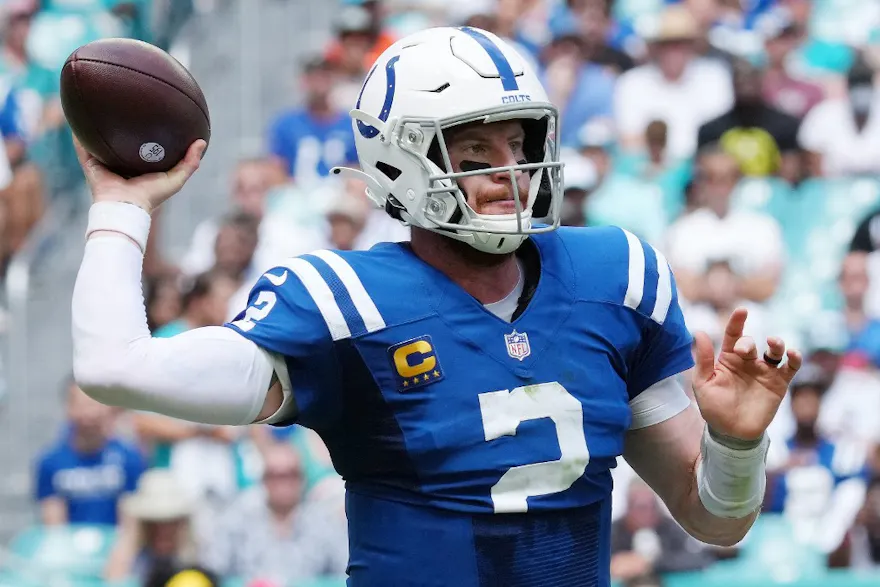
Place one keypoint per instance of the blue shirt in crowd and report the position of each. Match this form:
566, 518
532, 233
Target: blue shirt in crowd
311, 147
90, 484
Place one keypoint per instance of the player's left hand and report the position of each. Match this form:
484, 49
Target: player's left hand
739, 392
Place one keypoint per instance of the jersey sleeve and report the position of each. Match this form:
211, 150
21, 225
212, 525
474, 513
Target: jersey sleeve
664, 349
290, 315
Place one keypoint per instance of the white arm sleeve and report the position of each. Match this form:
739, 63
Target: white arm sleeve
210, 375
658, 403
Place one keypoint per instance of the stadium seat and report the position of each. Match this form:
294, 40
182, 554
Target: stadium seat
77, 551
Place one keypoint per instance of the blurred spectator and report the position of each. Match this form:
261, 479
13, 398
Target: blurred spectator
81, 479
842, 135
819, 485
21, 184
618, 199
782, 35
204, 302
863, 331
654, 165
676, 87
312, 139
763, 139
162, 300
252, 182
750, 241
646, 542
580, 180
592, 21
583, 91
360, 39
270, 533
721, 289
234, 250
37, 87
863, 540
156, 529
353, 222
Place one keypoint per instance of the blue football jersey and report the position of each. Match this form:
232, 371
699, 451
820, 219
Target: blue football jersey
476, 452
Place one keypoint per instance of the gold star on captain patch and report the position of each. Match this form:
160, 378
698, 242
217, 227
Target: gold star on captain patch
425, 378
415, 380
436, 373
405, 383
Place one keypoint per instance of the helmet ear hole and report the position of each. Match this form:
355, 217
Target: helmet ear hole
389, 171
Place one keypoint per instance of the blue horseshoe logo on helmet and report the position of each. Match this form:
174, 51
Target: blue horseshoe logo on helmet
367, 131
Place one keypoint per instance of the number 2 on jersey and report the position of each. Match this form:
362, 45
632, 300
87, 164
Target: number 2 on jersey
257, 311
502, 413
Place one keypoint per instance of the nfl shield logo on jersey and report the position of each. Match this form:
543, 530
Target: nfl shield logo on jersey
518, 345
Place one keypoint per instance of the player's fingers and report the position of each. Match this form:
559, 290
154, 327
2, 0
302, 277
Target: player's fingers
92, 168
734, 330
704, 357
745, 348
181, 172
795, 360
775, 348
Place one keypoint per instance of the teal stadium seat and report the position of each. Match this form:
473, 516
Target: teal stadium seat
75, 551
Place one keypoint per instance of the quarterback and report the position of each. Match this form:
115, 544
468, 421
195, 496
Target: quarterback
474, 385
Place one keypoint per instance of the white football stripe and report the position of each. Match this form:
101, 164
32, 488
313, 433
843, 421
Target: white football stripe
362, 300
322, 296
664, 289
635, 288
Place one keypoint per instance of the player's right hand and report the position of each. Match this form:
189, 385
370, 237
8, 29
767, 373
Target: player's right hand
147, 191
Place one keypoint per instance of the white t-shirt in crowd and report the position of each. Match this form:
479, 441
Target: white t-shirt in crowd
750, 241
829, 130
643, 95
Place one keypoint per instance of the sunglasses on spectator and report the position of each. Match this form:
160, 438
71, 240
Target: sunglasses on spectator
283, 474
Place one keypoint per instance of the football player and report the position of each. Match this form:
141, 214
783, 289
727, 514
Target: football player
474, 385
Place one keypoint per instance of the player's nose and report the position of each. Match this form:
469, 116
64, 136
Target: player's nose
506, 158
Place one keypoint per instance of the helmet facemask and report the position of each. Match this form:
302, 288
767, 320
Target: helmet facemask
445, 209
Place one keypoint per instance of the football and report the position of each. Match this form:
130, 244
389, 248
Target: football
132, 105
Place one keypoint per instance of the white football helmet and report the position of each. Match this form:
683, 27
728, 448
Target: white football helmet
436, 79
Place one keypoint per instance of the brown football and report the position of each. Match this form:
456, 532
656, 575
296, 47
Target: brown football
132, 105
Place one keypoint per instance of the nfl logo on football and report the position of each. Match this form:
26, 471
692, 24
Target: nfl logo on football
518, 345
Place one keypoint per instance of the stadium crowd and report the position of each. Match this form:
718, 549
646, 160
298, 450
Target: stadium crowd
739, 137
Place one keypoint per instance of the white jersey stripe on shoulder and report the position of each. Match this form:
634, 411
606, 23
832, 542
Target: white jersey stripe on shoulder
359, 296
323, 297
664, 289
635, 287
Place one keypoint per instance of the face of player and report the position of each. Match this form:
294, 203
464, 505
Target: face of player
496, 144
92, 421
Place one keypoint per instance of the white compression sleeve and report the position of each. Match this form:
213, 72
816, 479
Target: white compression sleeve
731, 482
210, 375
